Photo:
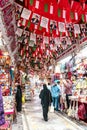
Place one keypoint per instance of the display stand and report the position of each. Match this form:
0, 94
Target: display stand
9, 108
79, 109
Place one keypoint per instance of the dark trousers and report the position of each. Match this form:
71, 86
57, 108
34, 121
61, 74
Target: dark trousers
45, 112
67, 100
19, 106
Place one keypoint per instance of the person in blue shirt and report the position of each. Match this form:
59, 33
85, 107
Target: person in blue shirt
55, 91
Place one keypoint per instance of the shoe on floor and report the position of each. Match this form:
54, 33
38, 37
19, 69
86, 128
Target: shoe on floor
46, 119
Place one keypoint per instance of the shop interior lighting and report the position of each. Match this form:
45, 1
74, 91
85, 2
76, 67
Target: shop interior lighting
50, 67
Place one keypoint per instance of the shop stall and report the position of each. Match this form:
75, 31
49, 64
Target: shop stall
73, 71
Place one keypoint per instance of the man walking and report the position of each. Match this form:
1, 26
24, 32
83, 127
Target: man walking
46, 100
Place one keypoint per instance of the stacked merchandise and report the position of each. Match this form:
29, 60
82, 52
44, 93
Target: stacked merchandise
79, 95
8, 102
8, 99
4, 123
4, 76
76, 74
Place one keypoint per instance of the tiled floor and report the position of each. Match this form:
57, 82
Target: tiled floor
31, 119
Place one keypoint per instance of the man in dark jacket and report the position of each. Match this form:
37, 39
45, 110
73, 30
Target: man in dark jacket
46, 100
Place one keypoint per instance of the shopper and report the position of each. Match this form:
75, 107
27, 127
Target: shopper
46, 100
19, 99
68, 91
59, 95
55, 90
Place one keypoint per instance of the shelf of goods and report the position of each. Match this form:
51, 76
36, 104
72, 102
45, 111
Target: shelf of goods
78, 101
4, 81
9, 107
78, 107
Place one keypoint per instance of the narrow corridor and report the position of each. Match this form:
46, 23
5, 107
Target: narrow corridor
32, 119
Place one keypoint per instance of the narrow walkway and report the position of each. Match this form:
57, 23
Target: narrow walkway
33, 120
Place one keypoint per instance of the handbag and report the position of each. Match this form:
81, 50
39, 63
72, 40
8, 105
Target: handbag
76, 110
23, 98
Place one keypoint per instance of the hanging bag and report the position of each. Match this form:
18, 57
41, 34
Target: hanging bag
82, 112
73, 109
76, 110
51, 108
69, 111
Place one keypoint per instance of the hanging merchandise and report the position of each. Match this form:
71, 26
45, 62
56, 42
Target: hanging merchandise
52, 40
72, 2
83, 19
44, 22
53, 25
83, 28
76, 29
46, 7
76, 16
35, 19
31, 2
61, 26
69, 27
45, 40
56, 24
33, 37
39, 38
72, 15
51, 9
26, 14
37, 4
64, 13
59, 12
19, 32
57, 41
18, 10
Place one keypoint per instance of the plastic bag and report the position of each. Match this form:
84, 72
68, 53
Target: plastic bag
51, 108
23, 98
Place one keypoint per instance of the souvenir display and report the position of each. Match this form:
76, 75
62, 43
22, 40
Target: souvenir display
8, 102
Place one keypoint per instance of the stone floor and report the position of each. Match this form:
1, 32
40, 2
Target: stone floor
31, 119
